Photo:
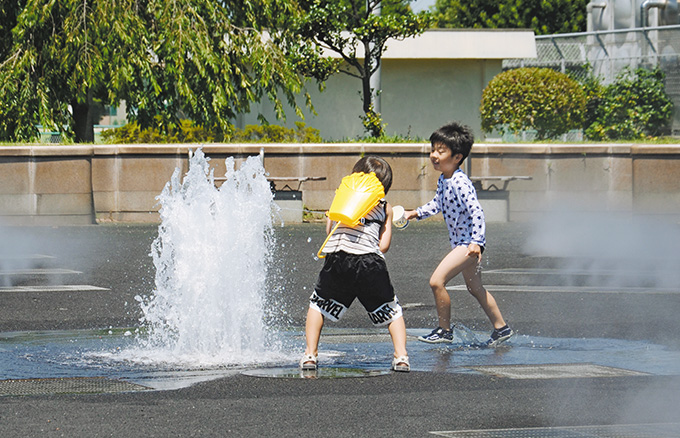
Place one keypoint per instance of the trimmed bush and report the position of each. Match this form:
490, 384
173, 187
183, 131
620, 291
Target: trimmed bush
188, 132
540, 99
276, 134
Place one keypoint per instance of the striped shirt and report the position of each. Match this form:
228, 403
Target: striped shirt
456, 198
362, 239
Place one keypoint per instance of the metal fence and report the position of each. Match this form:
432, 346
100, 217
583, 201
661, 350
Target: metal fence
607, 53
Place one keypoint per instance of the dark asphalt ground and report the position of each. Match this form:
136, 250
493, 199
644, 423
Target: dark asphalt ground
116, 257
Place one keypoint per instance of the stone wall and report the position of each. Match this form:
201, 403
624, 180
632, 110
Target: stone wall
44, 184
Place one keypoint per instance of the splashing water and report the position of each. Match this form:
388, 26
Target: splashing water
211, 257
466, 335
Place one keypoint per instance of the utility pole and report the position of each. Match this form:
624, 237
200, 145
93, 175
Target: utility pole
375, 77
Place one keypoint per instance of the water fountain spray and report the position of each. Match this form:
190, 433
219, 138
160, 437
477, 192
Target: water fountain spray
211, 257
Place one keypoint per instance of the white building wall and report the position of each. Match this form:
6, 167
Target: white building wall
426, 82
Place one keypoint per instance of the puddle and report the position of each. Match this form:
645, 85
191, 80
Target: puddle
88, 353
343, 353
460, 356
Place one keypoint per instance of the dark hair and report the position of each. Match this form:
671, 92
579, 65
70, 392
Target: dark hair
380, 167
455, 136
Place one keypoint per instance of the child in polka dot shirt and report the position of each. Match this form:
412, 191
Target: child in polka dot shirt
456, 199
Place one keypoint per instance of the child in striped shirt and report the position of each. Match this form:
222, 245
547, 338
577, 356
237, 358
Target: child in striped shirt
355, 267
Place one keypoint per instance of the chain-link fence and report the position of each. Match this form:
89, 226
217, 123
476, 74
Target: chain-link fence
606, 53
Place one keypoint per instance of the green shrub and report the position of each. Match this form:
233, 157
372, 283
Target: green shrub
373, 124
540, 99
635, 106
594, 92
188, 132
276, 134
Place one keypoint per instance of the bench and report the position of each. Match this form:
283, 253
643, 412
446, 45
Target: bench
495, 200
298, 179
286, 188
288, 199
477, 180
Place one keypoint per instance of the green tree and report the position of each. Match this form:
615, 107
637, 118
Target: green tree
539, 99
204, 59
9, 9
355, 30
543, 16
634, 106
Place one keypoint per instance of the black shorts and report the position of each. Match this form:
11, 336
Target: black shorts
345, 277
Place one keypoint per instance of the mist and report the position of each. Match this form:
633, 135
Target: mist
610, 250
18, 254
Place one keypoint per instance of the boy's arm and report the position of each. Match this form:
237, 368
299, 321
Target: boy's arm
427, 210
329, 225
386, 230
410, 214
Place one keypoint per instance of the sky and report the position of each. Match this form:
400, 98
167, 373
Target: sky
421, 5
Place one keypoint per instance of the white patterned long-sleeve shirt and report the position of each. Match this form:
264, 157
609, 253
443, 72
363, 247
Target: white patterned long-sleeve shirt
456, 199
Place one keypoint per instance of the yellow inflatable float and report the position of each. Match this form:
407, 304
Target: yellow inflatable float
356, 196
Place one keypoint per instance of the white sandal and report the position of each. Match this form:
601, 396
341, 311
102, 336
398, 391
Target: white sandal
308, 362
401, 364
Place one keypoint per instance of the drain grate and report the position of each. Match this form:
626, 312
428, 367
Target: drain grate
355, 338
321, 373
76, 385
554, 371
572, 289
63, 288
38, 272
666, 430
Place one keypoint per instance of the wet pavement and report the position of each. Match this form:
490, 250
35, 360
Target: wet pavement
596, 354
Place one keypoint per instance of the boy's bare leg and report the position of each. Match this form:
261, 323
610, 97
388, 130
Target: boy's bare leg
313, 328
473, 281
397, 330
453, 264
